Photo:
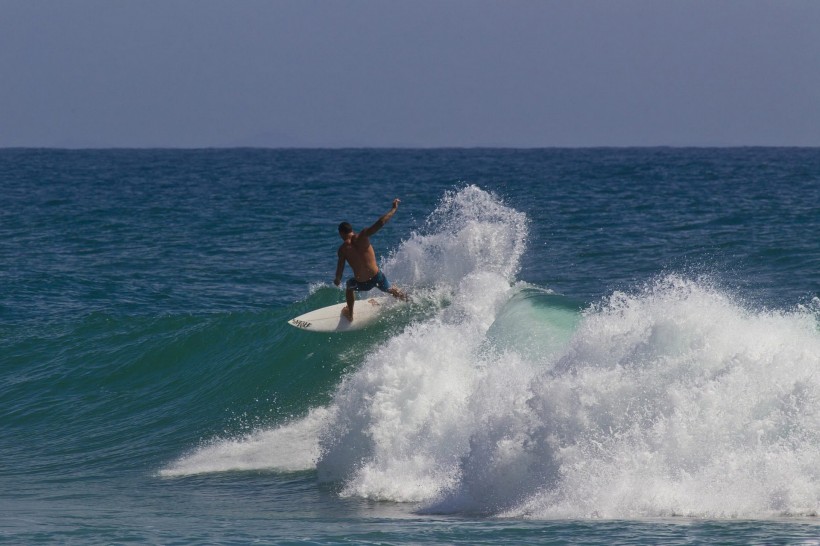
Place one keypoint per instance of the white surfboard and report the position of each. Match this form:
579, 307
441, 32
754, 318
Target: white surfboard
330, 319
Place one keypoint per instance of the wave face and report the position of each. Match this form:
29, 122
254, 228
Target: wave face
498, 397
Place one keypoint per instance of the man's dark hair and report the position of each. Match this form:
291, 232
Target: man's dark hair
345, 228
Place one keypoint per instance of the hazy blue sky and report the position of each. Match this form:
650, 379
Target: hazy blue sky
193, 73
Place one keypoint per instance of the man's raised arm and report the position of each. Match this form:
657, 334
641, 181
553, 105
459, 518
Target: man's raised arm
383, 220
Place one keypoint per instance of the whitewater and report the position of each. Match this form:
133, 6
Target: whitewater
497, 397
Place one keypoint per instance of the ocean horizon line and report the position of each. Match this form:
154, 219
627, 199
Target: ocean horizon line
422, 148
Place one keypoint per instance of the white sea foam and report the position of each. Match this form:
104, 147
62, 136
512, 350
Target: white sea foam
402, 421
288, 448
470, 232
677, 400
674, 399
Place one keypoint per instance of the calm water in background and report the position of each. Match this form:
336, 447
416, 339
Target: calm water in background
606, 346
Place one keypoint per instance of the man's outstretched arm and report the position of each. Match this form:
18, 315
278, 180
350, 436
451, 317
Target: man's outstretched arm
383, 220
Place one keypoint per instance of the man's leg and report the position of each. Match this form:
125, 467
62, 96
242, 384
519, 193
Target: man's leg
385, 286
350, 296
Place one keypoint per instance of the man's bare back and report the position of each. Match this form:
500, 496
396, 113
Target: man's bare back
357, 251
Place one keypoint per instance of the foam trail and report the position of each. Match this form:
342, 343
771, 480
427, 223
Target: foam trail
288, 448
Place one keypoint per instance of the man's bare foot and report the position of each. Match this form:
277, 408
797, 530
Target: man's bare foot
398, 294
346, 313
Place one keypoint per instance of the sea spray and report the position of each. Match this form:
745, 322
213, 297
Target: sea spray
288, 448
400, 423
471, 231
675, 400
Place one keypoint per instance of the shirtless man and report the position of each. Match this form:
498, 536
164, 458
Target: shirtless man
358, 252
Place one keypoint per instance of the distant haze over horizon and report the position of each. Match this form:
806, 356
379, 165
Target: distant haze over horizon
422, 74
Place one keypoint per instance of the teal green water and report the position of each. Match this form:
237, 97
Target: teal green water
605, 347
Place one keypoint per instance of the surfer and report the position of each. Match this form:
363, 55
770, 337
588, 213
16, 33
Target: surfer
358, 252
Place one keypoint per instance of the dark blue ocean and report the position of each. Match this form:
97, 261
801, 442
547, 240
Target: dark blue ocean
604, 346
